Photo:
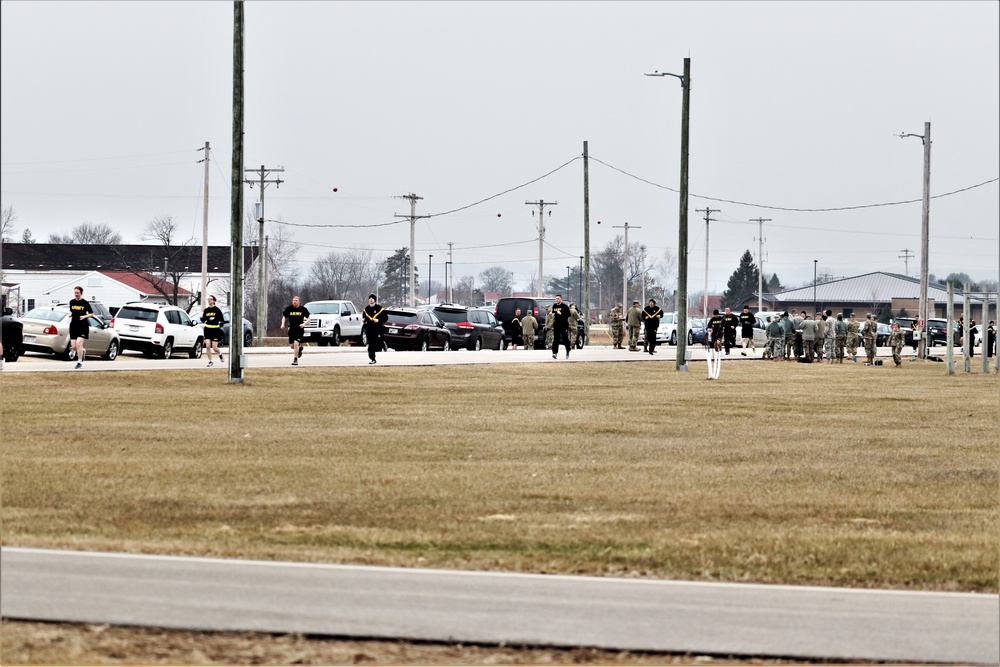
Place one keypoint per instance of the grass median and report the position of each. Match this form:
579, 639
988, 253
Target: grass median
824, 475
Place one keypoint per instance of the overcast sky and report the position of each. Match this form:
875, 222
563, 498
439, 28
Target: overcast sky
793, 105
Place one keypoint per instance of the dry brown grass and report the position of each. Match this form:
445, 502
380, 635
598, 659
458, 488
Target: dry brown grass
827, 475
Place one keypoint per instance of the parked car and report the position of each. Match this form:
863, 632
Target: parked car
158, 329
330, 322
47, 330
411, 329
12, 336
697, 332
470, 328
227, 326
507, 306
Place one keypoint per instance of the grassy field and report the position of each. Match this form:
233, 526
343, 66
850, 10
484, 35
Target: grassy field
826, 475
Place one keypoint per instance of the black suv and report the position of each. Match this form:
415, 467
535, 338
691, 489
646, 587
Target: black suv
470, 328
906, 324
937, 332
506, 306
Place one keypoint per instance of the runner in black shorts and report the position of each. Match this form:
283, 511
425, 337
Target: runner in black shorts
79, 328
213, 319
295, 316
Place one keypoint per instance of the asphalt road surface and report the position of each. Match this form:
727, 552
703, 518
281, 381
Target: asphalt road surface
498, 608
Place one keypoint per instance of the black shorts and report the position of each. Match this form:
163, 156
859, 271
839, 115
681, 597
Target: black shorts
747, 332
79, 330
213, 333
295, 334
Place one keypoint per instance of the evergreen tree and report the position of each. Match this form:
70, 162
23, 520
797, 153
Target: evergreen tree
774, 285
396, 288
742, 284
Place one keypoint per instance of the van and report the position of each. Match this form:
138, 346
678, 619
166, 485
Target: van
506, 306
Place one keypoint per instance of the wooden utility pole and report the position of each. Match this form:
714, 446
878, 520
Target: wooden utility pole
682, 233
907, 254
704, 299
626, 227
204, 235
263, 172
236, 360
413, 243
760, 261
586, 241
540, 287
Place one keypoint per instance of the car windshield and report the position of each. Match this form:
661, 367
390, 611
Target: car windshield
402, 318
315, 308
132, 313
46, 314
452, 315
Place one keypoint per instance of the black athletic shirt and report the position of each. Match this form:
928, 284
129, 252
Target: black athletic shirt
213, 317
747, 320
77, 309
560, 316
295, 316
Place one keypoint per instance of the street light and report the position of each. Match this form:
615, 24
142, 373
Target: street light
570, 296
430, 258
579, 291
682, 231
924, 230
447, 282
815, 261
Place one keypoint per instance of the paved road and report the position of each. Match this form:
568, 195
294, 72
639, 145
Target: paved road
495, 608
277, 357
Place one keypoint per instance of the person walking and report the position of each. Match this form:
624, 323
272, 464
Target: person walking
549, 335
615, 321
747, 321
729, 322
991, 338
560, 326
528, 327
714, 330
213, 318
375, 318
574, 318
651, 315
295, 317
896, 340
869, 333
809, 338
515, 329
840, 339
79, 328
633, 319
853, 326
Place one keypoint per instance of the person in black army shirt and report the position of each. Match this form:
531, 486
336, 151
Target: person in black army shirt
79, 328
747, 320
715, 329
729, 322
295, 316
515, 329
374, 324
213, 319
651, 315
560, 326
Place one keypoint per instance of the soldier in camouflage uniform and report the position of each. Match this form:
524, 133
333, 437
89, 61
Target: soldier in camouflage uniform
871, 328
616, 320
549, 331
633, 318
528, 326
896, 340
574, 319
830, 336
775, 338
853, 326
841, 331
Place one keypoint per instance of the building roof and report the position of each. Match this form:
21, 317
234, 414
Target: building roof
876, 287
88, 257
142, 282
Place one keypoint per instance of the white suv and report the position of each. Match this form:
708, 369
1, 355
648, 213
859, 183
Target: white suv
158, 329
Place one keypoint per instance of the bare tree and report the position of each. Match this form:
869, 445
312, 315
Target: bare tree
163, 267
351, 275
496, 279
464, 291
89, 233
7, 219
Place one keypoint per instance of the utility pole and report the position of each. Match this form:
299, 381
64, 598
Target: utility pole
760, 261
413, 242
236, 360
586, 240
704, 299
625, 263
541, 204
451, 274
263, 173
204, 234
907, 254
430, 266
924, 232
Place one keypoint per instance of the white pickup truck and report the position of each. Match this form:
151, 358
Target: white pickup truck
331, 322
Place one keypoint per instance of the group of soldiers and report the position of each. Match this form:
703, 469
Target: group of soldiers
825, 336
553, 324
636, 317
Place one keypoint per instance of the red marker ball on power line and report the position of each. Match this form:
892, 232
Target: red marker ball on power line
335, 189
498, 215
598, 222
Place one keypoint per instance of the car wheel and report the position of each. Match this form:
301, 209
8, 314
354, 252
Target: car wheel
502, 344
112, 352
423, 345
673, 338
11, 353
168, 349
248, 339
690, 338
446, 345
199, 347
147, 353
478, 345
336, 338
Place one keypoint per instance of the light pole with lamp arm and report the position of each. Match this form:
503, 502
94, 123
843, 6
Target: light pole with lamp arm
430, 259
815, 306
682, 230
924, 230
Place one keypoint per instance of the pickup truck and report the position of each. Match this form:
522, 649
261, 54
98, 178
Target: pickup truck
331, 322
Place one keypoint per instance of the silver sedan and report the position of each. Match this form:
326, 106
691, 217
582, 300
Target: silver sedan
47, 330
